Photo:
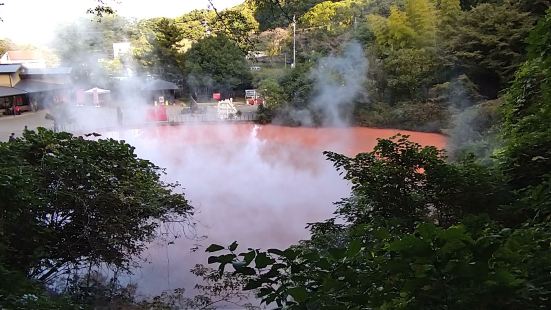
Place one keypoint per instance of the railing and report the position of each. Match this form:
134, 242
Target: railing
211, 118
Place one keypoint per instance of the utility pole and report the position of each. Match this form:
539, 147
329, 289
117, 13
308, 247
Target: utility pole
294, 42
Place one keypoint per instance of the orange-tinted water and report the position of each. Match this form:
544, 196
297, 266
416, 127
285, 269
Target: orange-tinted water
259, 185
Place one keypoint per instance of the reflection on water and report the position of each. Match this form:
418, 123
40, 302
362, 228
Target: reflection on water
259, 185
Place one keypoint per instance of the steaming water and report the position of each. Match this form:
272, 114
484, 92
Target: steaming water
259, 185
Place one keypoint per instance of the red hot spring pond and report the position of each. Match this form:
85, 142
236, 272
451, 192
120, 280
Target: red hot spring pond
259, 185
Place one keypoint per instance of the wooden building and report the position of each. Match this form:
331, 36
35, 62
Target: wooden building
23, 89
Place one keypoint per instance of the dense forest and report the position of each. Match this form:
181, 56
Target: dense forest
423, 228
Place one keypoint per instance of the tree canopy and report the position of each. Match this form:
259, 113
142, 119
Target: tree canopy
218, 63
69, 202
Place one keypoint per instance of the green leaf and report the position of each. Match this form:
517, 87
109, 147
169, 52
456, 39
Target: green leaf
427, 230
262, 260
248, 271
227, 258
214, 248
337, 253
264, 291
354, 248
248, 257
454, 233
252, 285
290, 254
298, 293
233, 246
276, 252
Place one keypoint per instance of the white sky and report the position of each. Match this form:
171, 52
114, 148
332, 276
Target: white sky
33, 21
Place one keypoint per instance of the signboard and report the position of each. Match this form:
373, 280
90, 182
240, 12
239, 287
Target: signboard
216, 96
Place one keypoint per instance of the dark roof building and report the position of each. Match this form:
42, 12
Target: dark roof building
10, 91
46, 71
33, 86
9, 68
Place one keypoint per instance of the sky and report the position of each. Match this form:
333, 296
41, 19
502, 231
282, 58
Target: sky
34, 21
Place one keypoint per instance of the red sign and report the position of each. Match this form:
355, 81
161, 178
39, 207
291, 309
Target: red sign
216, 96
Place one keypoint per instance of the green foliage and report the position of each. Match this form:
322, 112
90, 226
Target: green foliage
489, 44
273, 41
193, 25
272, 93
403, 183
18, 292
237, 24
475, 131
333, 16
279, 13
421, 15
431, 268
68, 202
286, 95
413, 27
527, 111
539, 39
163, 50
410, 72
418, 233
406, 42
217, 62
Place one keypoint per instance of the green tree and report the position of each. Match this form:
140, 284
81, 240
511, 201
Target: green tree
195, 24
450, 11
274, 41
410, 72
406, 42
238, 25
421, 16
330, 15
489, 44
279, 13
68, 202
527, 110
167, 49
217, 62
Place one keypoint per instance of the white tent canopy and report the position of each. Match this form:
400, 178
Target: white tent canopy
97, 90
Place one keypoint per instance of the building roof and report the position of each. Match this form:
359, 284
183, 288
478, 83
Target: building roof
9, 68
32, 86
24, 55
160, 85
10, 91
47, 71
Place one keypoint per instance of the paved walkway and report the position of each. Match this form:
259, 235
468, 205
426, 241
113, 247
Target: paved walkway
16, 124
89, 119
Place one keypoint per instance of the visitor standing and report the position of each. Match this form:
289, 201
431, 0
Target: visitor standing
119, 116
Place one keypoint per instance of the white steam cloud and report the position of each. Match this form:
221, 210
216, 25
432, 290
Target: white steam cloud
339, 79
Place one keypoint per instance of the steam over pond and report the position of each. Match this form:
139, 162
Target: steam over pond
259, 185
